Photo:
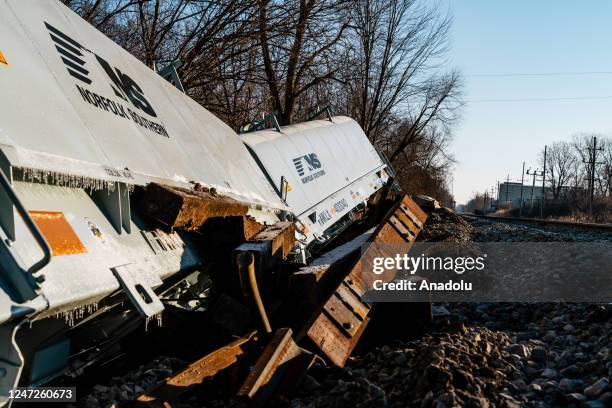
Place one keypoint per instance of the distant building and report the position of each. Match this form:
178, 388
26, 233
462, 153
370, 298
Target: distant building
509, 194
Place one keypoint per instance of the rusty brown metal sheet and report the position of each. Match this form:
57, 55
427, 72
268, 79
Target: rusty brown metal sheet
280, 235
201, 370
337, 327
188, 209
278, 370
408, 223
346, 309
405, 232
410, 208
311, 285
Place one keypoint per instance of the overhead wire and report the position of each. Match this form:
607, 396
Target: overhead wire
524, 74
539, 74
561, 98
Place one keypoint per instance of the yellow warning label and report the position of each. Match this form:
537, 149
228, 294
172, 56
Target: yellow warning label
2, 59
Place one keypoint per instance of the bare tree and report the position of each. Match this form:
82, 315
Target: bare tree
582, 143
397, 47
424, 167
606, 167
298, 41
437, 105
375, 60
560, 163
235, 91
102, 14
476, 203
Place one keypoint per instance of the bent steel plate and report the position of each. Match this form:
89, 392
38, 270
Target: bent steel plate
198, 372
338, 326
278, 370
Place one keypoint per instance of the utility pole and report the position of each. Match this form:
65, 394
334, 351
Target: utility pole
493, 195
592, 162
484, 203
522, 181
508, 185
498, 195
543, 186
535, 173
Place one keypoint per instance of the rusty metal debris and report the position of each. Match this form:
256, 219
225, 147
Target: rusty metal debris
281, 237
324, 294
339, 324
427, 203
273, 242
331, 297
311, 285
198, 372
178, 207
278, 370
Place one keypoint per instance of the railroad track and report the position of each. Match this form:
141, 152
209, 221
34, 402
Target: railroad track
540, 222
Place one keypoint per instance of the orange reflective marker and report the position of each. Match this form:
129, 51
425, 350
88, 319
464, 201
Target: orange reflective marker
2, 59
59, 234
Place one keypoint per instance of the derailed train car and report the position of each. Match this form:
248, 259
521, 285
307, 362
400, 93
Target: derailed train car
82, 124
324, 169
111, 178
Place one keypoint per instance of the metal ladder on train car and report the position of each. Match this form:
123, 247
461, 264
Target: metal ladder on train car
17, 285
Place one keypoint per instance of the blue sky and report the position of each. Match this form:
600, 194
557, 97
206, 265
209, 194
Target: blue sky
515, 37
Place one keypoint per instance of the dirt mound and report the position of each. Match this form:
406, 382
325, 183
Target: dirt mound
444, 225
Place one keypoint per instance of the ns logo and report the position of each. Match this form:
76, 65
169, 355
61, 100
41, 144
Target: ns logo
72, 54
311, 161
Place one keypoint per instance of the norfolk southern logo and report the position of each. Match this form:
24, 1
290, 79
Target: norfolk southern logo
308, 167
74, 57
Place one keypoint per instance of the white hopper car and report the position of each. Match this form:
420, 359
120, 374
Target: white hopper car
324, 169
83, 123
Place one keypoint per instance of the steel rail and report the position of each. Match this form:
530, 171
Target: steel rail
543, 222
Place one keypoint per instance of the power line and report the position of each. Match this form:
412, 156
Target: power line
563, 98
527, 74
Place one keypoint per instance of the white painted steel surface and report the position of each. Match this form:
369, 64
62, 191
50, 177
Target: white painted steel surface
61, 111
83, 278
331, 168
